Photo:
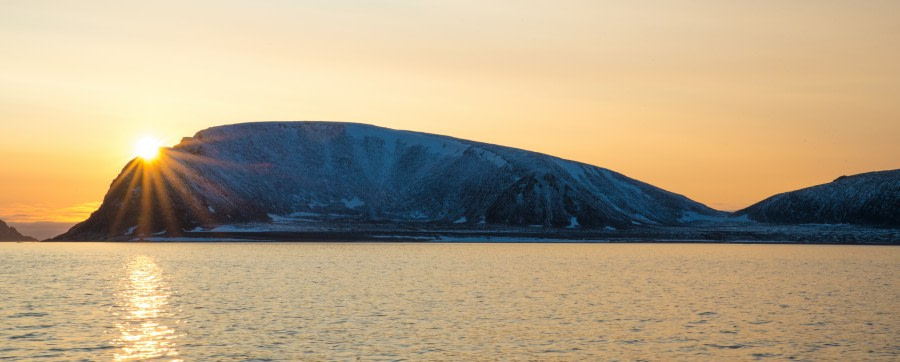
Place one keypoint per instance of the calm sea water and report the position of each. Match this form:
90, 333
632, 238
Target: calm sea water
238, 301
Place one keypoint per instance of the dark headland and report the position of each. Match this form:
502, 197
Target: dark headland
8, 233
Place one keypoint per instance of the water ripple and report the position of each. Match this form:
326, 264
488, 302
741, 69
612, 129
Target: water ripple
336, 301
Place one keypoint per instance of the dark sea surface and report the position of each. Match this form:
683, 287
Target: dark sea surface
433, 301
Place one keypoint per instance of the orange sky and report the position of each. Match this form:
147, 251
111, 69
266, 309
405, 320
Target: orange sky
724, 102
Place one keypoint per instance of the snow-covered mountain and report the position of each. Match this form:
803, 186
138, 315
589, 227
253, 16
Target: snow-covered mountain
868, 199
8, 233
347, 172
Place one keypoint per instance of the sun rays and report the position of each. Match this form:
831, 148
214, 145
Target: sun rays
156, 195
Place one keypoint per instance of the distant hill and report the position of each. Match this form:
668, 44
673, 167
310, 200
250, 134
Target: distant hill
8, 233
361, 174
865, 199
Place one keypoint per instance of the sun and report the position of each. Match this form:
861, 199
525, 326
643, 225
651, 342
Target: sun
147, 148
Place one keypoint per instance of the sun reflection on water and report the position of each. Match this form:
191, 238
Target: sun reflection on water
144, 297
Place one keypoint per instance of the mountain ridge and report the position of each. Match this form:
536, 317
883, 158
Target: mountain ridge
284, 179
870, 198
252, 172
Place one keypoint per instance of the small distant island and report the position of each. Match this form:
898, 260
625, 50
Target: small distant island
296, 181
8, 233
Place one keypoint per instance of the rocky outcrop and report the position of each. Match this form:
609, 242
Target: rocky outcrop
8, 233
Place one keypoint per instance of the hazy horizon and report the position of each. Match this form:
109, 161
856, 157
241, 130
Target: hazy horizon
724, 103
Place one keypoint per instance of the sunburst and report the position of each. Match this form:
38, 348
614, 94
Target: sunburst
160, 180
147, 148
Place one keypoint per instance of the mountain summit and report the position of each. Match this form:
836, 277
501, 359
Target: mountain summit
357, 173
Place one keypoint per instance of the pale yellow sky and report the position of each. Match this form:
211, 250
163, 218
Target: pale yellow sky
725, 102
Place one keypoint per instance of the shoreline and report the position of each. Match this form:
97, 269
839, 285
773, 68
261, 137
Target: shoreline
719, 234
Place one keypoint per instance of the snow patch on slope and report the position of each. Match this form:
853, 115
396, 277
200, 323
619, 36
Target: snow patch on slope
352, 203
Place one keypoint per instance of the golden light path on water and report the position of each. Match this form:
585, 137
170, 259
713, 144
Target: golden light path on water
143, 298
